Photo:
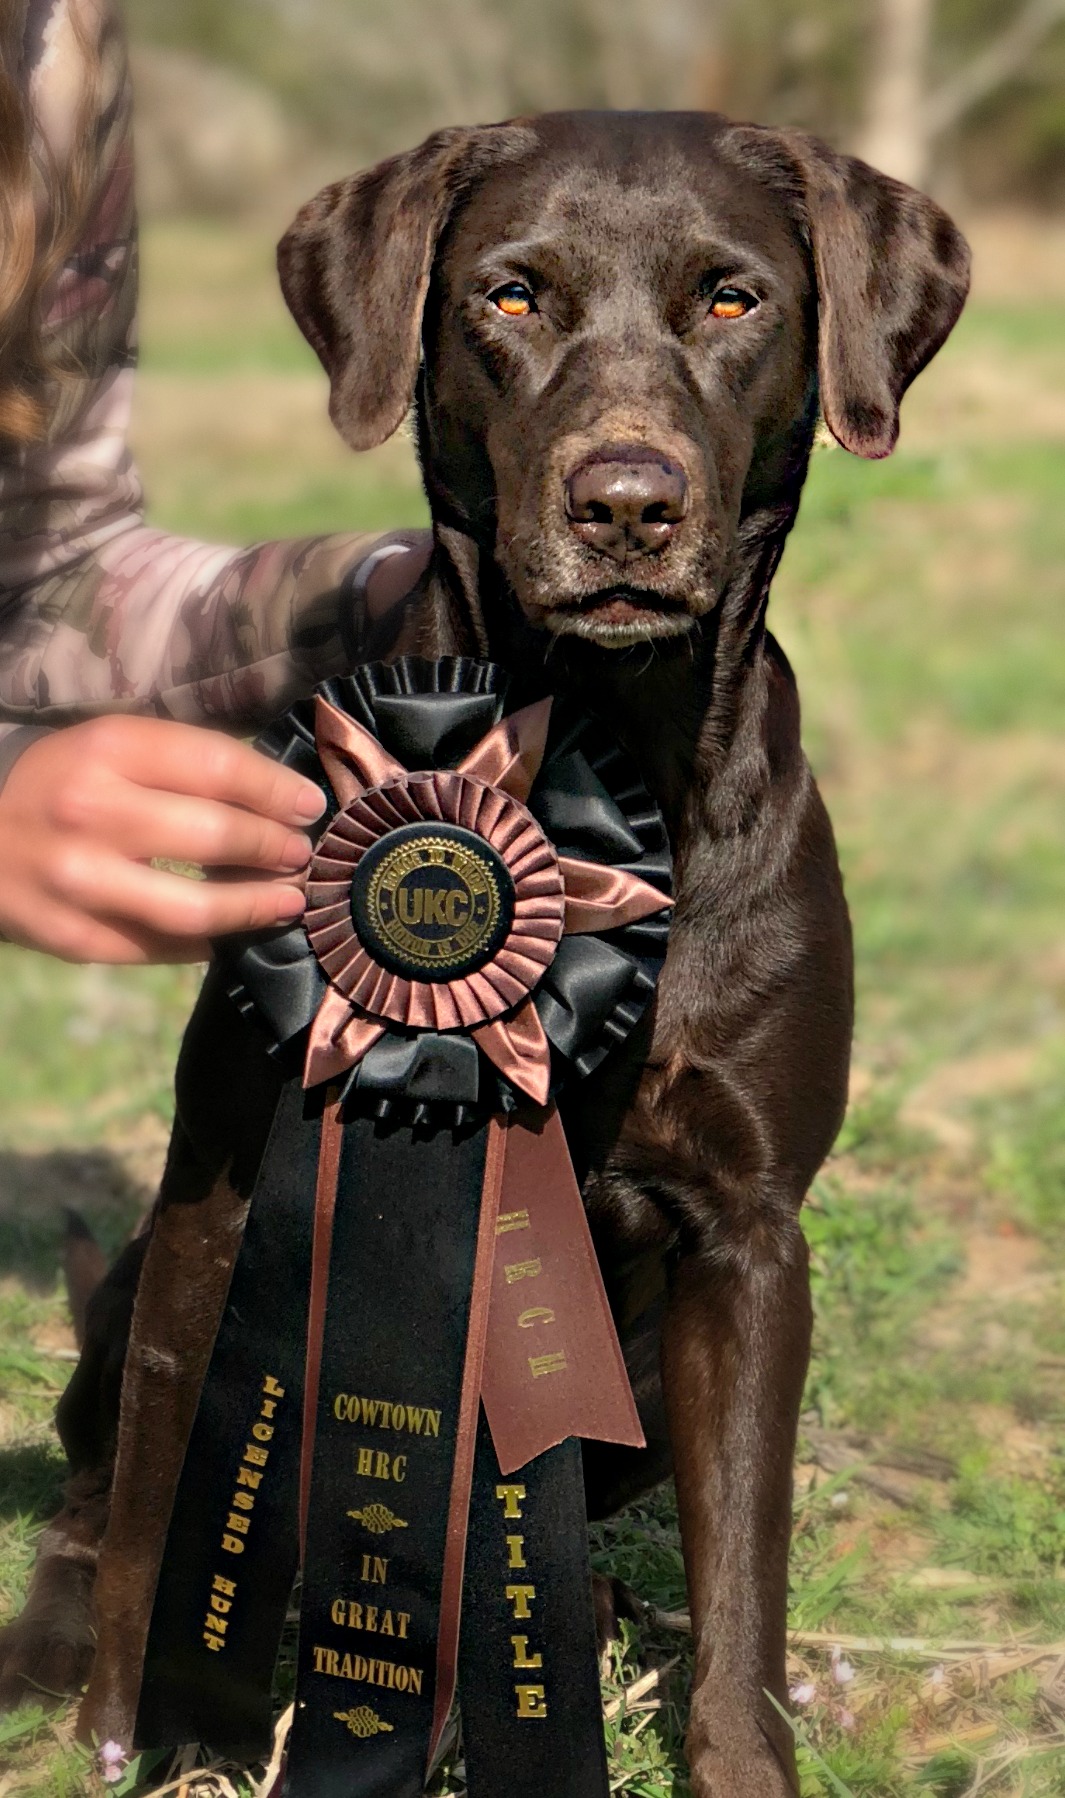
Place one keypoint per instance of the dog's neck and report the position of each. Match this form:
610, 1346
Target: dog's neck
692, 710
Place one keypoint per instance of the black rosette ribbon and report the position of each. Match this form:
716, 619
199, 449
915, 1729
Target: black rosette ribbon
487, 916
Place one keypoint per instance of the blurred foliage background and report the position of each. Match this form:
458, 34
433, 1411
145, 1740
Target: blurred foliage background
967, 96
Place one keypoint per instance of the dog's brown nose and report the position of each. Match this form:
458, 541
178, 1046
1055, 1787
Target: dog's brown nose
626, 502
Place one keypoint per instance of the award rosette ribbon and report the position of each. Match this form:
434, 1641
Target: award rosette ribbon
416, 1335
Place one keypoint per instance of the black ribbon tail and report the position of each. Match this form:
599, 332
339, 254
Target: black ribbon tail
532, 1717
405, 1231
230, 1555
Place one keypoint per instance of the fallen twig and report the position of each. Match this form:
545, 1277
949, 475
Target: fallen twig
984, 1670
921, 1649
179, 1783
956, 1738
639, 1689
917, 1647
994, 1764
923, 1462
189, 1778
836, 1458
269, 1779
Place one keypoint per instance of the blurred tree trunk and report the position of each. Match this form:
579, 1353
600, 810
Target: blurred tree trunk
903, 119
896, 136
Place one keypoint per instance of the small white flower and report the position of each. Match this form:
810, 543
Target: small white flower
842, 1671
840, 1500
804, 1693
846, 1719
113, 1758
938, 1676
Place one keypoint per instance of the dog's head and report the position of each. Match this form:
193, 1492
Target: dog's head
625, 324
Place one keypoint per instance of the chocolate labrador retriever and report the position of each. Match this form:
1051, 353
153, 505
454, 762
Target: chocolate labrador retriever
619, 332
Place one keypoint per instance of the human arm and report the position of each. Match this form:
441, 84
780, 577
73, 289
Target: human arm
99, 611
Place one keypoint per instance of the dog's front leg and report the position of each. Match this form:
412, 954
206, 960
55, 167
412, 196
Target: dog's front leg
735, 1349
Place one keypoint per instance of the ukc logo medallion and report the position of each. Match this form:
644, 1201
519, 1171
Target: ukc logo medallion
432, 901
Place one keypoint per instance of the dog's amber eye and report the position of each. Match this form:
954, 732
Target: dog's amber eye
731, 302
514, 299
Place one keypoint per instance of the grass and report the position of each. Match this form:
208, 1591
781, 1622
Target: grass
920, 602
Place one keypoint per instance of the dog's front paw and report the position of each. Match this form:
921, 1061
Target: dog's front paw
46, 1653
733, 1754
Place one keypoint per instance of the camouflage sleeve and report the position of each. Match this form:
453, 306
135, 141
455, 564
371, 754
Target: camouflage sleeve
185, 630
99, 612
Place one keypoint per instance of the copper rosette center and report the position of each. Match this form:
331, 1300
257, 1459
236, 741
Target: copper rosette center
536, 902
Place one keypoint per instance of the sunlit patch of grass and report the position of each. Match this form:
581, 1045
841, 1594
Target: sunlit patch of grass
81, 1048
1027, 1153
1010, 1526
874, 1272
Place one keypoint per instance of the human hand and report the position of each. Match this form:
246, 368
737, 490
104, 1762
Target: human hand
85, 810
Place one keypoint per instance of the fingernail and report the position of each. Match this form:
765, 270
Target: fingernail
296, 854
310, 804
290, 903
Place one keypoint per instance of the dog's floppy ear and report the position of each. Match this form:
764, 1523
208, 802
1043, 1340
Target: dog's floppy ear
892, 275
355, 269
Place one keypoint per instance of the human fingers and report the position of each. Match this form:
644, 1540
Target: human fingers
70, 933
105, 886
204, 764
74, 936
146, 824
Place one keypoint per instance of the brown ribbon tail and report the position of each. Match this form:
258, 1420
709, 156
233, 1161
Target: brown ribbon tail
352, 758
458, 1516
325, 1197
509, 756
553, 1365
603, 898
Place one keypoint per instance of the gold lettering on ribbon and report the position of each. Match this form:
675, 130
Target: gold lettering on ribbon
350, 1613
530, 1702
521, 1597
523, 1270
457, 907
249, 1477
380, 1619
374, 1464
387, 1414
366, 1670
512, 1220
542, 1365
428, 905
